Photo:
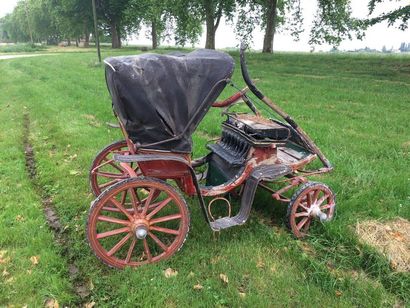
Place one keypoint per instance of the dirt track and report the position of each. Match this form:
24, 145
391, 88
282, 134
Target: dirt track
5, 57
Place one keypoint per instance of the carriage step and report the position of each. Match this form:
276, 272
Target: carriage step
226, 222
266, 173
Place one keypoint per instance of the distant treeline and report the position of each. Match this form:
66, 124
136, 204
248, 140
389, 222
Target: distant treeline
52, 21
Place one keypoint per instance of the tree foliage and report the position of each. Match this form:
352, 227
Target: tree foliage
399, 17
192, 13
113, 16
333, 23
53, 20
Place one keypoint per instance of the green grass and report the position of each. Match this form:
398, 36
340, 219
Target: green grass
357, 109
16, 48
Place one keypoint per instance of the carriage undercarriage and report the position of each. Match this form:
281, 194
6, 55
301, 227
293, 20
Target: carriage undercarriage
139, 218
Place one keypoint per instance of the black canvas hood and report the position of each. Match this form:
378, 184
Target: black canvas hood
162, 98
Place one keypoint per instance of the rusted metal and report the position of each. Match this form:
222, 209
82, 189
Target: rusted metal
296, 181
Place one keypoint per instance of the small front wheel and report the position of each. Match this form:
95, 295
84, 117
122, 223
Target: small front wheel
137, 221
312, 201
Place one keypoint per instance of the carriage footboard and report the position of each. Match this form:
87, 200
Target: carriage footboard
261, 173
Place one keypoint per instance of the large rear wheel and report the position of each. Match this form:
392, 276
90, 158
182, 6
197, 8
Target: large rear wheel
137, 221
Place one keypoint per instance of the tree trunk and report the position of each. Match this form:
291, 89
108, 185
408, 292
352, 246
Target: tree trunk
270, 26
68, 41
77, 42
210, 35
115, 37
154, 35
86, 34
210, 25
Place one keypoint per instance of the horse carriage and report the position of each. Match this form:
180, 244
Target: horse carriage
139, 215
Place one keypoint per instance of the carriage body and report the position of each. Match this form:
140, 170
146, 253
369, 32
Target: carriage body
159, 101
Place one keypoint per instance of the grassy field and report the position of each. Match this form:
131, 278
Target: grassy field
356, 107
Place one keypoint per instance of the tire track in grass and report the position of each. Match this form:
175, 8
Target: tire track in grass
81, 288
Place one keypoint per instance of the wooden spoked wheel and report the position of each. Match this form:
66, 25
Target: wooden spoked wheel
137, 221
312, 201
105, 171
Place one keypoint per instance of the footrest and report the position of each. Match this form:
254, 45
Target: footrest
226, 222
266, 173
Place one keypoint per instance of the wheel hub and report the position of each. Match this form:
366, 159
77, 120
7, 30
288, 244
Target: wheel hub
141, 232
316, 212
140, 228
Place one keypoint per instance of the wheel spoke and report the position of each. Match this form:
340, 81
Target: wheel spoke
302, 223
147, 251
134, 199
148, 201
113, 220
121, 208
111, 175
114, 209
108, 184
111, 162
307, 225
306, 208
309, 199
301, 214
158, 208
158, 241
113, 232
130, 250
164, 230
108, 162
124, 197
327, 206
153, 205
320, 201
119, 245
165, 218
316, 194
105, 162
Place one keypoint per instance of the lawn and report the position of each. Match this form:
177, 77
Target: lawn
356, 108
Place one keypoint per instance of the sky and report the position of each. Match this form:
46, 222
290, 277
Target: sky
376, 37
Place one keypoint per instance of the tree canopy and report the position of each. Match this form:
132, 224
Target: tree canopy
51, 21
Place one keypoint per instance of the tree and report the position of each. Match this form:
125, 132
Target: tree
152, 13
209, 11
332, 23
271, 16
186, 21
74, 19
16, 24
113, 13
32, 21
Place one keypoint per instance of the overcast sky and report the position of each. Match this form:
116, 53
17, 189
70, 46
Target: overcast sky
376, 37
